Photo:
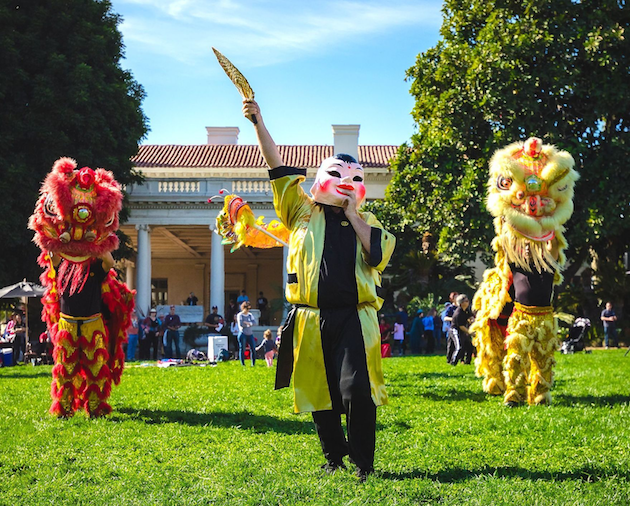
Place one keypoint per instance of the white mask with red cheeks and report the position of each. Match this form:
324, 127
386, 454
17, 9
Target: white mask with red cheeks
336, 178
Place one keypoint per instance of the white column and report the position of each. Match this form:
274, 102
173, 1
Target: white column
130, 275
285, 275
143, 269
217, 274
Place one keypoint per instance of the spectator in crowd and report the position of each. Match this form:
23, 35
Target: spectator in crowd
385, 329
133, 332
416, 332
171, 325
233, 337
404, 317
452, 341
246, 321
15, 333
268, 346
214, 321
150, 336
437, 328
429, 339
449, 309
399, 335
242, 298
609, 319
462, 318
192, 300
231, 311
262, 304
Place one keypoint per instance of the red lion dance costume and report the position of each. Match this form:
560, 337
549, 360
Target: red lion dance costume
87, 310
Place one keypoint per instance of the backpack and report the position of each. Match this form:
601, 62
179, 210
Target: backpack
196, 355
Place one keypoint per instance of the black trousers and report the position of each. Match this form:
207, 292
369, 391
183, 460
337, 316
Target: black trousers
150, 341
349, 386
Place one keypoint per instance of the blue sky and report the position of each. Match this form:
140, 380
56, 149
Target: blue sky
311, 63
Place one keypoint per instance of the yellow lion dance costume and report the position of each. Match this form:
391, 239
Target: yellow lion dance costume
530, 195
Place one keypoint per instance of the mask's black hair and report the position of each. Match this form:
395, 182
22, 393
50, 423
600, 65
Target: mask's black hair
345, 158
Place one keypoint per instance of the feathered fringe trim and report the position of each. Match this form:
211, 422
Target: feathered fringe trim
528, 365
490, 354
119, 300
514, 248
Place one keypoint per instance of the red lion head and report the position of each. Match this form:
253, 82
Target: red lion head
76, 215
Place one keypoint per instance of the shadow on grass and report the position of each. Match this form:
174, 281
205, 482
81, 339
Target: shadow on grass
456, 475
589, 400
453, 394
244, 420
26, 374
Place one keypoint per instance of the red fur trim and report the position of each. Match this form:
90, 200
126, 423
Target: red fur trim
101, 352
58, 392
101, 394
103, 409
60, 355
64, 165
103, 373
120, 303
56, 409
61, 336
60, 371
72, 276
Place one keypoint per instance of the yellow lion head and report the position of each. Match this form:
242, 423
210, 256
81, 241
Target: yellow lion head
530, 189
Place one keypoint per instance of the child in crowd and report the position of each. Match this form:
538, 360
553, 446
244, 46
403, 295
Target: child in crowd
399, 336
268, 346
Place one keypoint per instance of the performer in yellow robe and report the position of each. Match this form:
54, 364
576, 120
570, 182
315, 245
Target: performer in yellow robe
331, 340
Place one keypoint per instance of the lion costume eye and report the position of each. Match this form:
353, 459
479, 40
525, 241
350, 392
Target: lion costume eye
110, 222
50, 207
563, 188
504, 183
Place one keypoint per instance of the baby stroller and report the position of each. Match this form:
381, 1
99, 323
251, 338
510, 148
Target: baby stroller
575, 340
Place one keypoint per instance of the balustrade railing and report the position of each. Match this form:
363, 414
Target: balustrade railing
178, 187
249, 186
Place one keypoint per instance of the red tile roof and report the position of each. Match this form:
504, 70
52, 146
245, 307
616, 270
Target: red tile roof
236, 155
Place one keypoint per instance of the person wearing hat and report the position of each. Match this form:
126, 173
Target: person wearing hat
150, 336
214, 321
331, 340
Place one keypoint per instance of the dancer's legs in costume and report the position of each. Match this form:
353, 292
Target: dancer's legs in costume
528, 365
489, 341
93, 359
349, 386
516, 364
81, 376
542, 358
67, 378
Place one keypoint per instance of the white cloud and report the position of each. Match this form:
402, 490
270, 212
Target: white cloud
264, 32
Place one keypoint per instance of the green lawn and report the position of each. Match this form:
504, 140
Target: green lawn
221, 435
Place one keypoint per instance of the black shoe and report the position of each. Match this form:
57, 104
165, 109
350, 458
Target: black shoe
331, 466
362, 474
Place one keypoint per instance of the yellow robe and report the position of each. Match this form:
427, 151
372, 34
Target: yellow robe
306, 221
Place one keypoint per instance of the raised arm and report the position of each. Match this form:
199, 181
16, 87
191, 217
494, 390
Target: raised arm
267, 146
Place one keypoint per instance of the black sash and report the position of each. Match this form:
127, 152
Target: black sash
284, 368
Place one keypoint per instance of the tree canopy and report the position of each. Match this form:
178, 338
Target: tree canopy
502, 71
63, 92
